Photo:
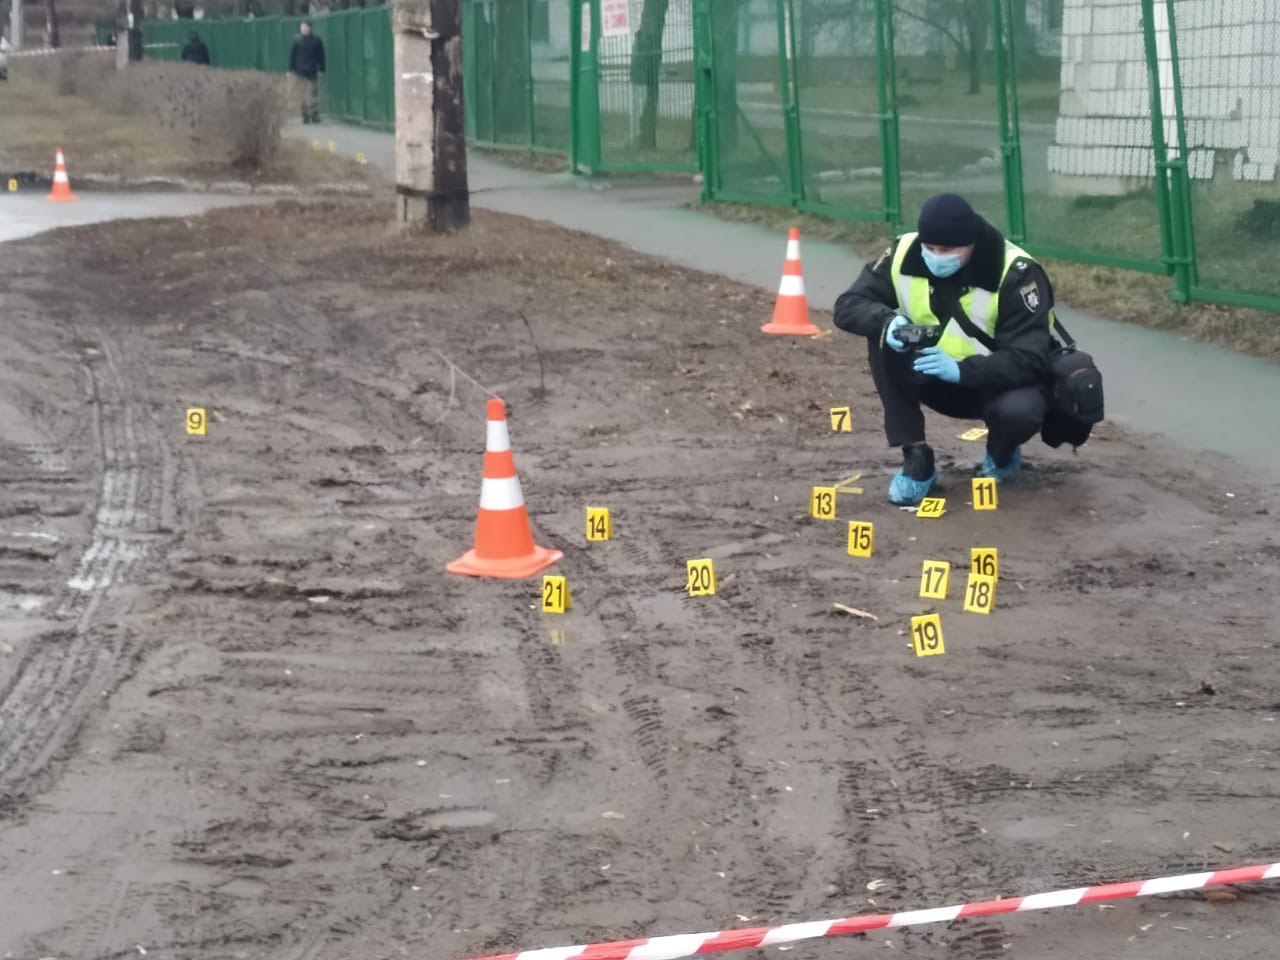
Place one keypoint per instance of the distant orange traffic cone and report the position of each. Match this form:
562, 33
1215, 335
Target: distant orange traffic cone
791, 311
61, 191
504, 540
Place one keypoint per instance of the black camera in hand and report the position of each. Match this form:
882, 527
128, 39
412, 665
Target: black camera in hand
916, 338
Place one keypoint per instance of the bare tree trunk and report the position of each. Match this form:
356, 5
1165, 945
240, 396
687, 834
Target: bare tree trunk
977, 23
135, 32
724, 25
646, 66
52, 37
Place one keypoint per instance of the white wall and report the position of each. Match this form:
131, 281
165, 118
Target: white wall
1229, 55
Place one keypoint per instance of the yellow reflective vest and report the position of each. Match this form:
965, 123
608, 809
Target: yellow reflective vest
981, 306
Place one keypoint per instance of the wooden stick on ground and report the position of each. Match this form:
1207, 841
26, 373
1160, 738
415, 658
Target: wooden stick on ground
855, 612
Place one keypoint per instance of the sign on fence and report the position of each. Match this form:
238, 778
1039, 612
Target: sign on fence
615, 18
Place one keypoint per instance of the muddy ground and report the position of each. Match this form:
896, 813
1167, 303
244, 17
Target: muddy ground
245, 714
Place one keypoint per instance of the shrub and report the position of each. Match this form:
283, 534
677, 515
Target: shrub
247, 115
235, 116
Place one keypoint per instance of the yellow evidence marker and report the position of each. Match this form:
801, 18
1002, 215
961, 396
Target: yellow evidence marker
315, 144
360, 158
13, 186
862, 538
842, 420
932, 507
980, 594
702, 578
555, 595
599, 525
984, 493
935, 580
197, 422
977, 433
926, 636
822, 503
985, 562
333, 147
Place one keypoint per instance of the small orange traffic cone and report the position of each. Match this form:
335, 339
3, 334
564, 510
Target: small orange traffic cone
61, 191
504, 545
791, 311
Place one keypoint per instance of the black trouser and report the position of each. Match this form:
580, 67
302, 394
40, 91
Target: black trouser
1012, 416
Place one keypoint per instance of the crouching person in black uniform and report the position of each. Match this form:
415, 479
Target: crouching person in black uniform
990, 306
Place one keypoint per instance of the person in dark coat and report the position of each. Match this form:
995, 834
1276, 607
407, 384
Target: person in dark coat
306, 62
195, 51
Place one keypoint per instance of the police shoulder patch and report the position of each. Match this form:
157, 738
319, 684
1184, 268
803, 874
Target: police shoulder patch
1031, 297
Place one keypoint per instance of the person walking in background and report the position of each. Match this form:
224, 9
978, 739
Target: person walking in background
306, 62
195, 51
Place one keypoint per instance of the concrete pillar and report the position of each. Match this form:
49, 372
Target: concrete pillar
16, 25
431, 148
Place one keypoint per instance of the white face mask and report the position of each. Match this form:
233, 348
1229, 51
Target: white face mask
942, 264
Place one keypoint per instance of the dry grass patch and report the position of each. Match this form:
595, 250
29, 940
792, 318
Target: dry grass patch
1138, 298
156, 120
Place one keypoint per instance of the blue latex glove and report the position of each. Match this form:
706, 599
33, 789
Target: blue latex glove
933, 362
896, 345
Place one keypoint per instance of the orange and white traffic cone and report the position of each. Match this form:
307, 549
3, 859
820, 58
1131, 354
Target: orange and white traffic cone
791, 310
504, 544
61, 191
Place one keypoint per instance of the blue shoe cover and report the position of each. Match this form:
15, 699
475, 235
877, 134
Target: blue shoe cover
906, 492
1007, 472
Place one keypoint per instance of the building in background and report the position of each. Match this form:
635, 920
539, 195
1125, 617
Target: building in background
1229, 58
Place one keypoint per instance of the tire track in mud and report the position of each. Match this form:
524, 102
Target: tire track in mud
43, 707
885, 805
645, 629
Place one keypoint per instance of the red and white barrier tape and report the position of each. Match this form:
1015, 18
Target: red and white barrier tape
49, 51
701, 944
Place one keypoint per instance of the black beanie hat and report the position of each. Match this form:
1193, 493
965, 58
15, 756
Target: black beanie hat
947, 220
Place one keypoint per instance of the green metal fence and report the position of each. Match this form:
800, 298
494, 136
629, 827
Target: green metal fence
1140, 134
357, 86
516, 74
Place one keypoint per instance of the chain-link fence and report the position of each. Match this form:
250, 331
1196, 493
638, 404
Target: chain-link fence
1141, 134
516, 74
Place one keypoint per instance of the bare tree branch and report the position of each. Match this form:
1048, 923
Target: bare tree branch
933, 23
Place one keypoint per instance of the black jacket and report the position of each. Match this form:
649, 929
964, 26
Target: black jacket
306, 58
1022, 336
195, 51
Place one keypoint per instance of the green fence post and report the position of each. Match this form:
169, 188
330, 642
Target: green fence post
575, 66
704, 98
470, 73
1171, 233
790, 111
1182, 174
795, 147
887, 95
1007, 104
584, 94
528, 80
